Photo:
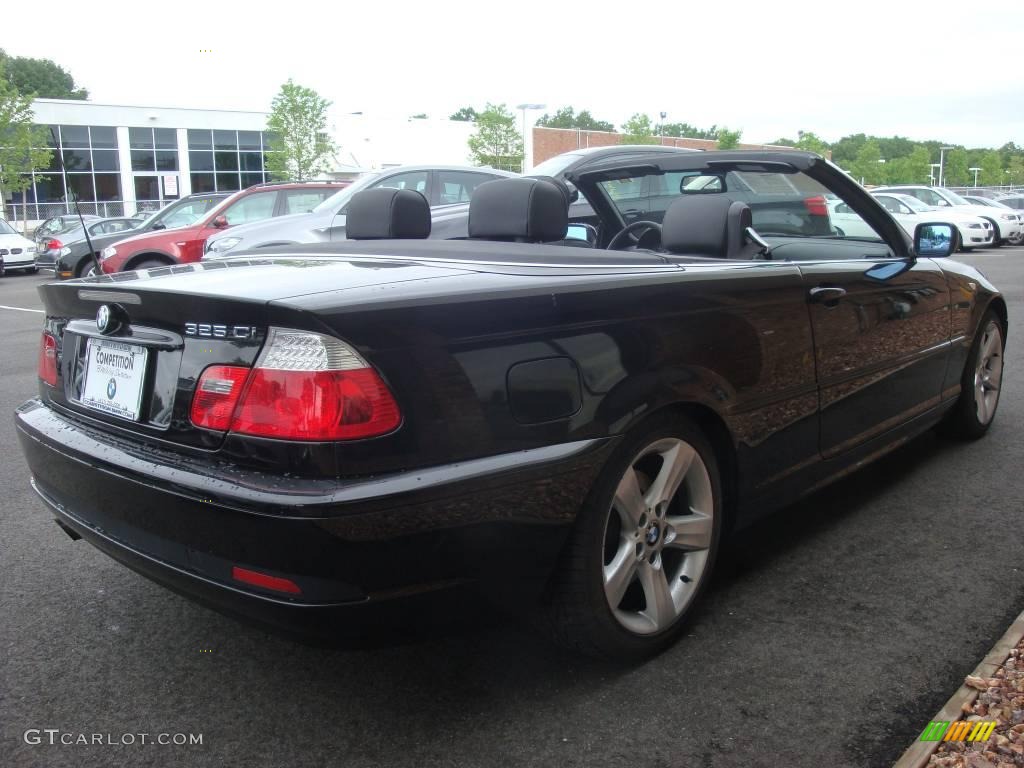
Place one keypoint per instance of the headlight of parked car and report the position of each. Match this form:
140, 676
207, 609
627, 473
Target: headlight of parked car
1008, 216
225, 244
30, 249
109, 251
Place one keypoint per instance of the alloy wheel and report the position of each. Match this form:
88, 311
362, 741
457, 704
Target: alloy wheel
658, 536
988, 375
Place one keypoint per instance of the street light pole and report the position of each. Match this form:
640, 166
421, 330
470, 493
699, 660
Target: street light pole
523, 108
942, 162
975, 175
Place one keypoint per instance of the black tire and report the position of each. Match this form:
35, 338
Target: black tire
577, 612
966, 420
149, 264
87, 268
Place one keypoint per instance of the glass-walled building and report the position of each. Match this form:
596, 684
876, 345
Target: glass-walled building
120, 159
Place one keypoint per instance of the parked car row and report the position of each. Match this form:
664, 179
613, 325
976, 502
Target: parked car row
1007, 225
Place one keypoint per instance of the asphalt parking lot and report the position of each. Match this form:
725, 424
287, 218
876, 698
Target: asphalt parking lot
831, 634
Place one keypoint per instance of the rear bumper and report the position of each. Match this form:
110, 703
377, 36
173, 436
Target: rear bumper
347, 544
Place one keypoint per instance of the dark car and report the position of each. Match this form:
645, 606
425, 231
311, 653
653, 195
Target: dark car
58, 224
80, 261
299, 436
49, 249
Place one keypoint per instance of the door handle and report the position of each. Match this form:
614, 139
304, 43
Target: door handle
829, 295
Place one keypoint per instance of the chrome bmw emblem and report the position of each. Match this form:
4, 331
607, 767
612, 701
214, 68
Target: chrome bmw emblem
111, 389
103, 318
652, 535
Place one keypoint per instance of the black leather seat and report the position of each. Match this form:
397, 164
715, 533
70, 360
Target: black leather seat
707, 225
385, 213
520, 210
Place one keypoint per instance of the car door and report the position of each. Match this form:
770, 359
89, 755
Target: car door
881, 339
881, 326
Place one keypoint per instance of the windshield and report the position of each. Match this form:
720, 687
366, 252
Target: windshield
342, 196
555, 165
913, 203
6, 229
954, 198
185, 212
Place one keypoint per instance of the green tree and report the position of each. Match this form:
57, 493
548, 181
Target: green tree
728, 139
1015, 170
300, 146
687, 131
810, 142
991, 169
638, 130
497, 142
567, 117
918, 166
465, 115
867, 167
955, 172
22, 143
40, 78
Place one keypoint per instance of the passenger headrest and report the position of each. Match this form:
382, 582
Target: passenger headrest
706, 225
385, 213
532, 210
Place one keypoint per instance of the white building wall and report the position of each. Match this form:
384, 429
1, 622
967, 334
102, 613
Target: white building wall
367, 141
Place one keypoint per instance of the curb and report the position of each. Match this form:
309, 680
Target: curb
918, 754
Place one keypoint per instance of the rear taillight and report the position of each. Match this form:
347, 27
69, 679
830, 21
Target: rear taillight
48, 359
305, 386
53, 244
217, 395
816, 206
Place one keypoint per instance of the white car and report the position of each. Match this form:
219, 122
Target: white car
975, 232
16, 252
909, 212
1005, 226
1003, 208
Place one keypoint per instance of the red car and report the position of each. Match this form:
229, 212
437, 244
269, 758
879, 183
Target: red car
185, 243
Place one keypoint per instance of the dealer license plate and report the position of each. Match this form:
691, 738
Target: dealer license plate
114, 374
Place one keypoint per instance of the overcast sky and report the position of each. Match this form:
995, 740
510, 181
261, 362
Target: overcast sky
769, 68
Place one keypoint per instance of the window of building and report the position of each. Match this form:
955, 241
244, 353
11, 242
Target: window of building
224, 161
91, 165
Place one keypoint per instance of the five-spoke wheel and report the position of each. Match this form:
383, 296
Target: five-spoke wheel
657, 536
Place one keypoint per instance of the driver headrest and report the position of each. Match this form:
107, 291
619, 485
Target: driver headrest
706, 225
532, 210
385, 213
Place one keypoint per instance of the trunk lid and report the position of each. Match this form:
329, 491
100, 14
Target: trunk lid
166, 326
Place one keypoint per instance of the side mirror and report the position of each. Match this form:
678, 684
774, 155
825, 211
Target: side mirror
159, 225
219, 222
935, 240
584, 232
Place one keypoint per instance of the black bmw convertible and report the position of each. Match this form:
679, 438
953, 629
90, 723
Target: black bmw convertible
566, 413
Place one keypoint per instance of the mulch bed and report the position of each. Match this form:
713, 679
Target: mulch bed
1001, 698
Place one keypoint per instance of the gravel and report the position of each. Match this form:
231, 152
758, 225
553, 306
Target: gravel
1001, 698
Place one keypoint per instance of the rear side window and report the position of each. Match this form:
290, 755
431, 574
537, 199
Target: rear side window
458, 186
255, 207
413, 180
304, 200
